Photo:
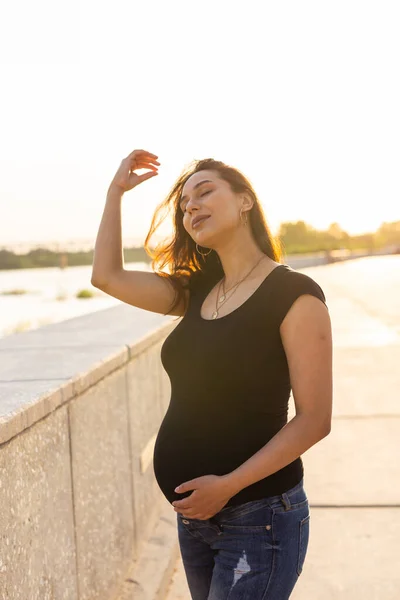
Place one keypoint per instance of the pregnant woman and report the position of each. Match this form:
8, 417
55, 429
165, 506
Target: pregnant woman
252, 330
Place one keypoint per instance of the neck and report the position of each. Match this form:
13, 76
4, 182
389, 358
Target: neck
238, 256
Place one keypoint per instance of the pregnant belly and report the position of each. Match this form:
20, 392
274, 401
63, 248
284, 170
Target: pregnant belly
184, 453
178, 459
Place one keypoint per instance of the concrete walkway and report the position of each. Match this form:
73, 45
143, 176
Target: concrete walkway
352, 476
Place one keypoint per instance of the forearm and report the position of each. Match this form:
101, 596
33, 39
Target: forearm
108, 253
299, 434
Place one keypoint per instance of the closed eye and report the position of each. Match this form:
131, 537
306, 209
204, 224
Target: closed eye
183, 209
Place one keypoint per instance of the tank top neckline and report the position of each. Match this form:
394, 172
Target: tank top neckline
241, 306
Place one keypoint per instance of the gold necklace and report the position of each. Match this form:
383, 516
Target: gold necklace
236, 284
221, 301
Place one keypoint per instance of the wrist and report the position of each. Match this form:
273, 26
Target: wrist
115, 191
231, 483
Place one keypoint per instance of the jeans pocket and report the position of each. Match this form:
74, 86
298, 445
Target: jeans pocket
255, 516
304, 531
233, 512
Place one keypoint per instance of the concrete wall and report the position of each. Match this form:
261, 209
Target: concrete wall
80, 405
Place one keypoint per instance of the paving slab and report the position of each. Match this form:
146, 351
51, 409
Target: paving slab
366, 381
356, 464
149, 577
351, 556
372, 283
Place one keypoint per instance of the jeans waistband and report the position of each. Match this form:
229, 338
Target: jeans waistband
285, 496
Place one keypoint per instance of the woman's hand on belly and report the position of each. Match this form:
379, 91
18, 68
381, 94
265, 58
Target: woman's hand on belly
211, 493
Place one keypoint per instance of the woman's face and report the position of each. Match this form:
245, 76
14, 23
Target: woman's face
205, 193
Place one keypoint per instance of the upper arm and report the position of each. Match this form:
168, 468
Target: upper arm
143, 289
307, 340
305, 330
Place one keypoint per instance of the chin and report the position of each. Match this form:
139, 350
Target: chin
204, 241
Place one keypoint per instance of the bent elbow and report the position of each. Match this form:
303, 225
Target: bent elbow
326, 431
97, 284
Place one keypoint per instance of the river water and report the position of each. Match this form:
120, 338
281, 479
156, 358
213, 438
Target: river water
51, 296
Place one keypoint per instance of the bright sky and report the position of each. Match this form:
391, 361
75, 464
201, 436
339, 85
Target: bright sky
303, 97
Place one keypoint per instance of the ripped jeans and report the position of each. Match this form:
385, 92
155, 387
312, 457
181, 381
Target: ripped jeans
254, 551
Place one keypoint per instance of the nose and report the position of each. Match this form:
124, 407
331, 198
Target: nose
189, 204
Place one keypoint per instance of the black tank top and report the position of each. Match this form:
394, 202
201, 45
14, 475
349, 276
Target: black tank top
230, 387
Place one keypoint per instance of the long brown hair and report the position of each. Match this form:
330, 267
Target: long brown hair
179, 253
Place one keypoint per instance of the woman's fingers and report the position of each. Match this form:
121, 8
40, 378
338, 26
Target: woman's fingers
144, 162
126, 178
143, 165
146, 176
141, 154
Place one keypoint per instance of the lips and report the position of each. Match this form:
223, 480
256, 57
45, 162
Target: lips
199, 219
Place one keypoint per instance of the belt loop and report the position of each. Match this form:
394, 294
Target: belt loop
286, 501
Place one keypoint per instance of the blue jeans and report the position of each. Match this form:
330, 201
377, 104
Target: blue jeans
254, 551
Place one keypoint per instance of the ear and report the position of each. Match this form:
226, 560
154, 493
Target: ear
247, 202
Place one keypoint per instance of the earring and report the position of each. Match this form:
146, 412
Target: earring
243, 222
202, 254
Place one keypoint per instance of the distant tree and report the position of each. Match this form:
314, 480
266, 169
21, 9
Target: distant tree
388, 234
